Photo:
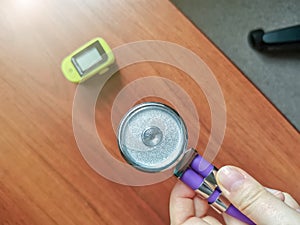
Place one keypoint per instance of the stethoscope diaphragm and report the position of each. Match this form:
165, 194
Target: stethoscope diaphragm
152, 137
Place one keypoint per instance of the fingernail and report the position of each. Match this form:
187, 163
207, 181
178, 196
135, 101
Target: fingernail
276, 193
230, 178
298, 210
273, 191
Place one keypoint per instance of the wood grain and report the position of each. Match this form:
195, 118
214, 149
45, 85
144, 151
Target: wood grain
44, 178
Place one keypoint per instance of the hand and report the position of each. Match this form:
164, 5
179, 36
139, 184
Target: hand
261, 205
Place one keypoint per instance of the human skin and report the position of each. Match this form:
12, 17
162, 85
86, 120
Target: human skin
262, 205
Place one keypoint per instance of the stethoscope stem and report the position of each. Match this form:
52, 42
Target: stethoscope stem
200, 175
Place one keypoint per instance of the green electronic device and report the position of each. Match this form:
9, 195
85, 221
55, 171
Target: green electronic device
95, 57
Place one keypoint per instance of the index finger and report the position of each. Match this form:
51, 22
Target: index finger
184, 204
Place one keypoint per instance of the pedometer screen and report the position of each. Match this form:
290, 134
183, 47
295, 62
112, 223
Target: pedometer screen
89, 58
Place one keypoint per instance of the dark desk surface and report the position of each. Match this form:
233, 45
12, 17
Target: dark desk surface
44, 178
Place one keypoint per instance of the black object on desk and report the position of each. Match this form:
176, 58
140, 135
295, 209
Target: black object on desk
281, 39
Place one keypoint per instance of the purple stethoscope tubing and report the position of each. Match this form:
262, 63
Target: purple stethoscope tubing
195, 176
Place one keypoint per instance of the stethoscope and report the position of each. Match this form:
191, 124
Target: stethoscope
152, 137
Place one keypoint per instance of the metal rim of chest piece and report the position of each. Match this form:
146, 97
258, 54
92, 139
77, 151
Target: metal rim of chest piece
152, 137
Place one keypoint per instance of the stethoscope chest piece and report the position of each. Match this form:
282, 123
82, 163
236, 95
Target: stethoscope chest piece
152, 137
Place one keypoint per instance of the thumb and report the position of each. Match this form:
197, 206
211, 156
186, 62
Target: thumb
252, 199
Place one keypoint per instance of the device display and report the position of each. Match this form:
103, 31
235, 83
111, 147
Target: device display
92, 58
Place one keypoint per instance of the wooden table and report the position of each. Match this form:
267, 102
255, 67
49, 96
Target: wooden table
44, 178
